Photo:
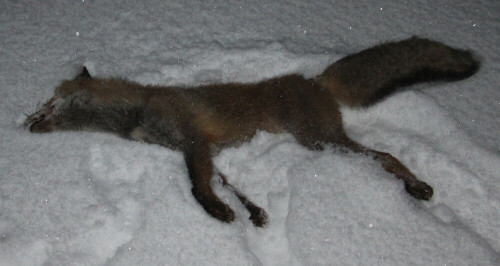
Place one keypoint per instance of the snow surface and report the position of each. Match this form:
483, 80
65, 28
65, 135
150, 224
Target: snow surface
80, 198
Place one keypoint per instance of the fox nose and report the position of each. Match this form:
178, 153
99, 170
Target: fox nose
41, 125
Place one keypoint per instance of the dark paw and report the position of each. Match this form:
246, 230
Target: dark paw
259, 217
420, 190
221, 211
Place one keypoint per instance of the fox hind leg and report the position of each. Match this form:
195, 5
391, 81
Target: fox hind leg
315, 135
414, 186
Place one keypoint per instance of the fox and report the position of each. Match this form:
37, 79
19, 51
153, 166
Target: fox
201, 120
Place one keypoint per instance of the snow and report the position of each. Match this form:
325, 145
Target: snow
79, 198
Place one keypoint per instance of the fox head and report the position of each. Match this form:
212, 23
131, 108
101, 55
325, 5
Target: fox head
66, 110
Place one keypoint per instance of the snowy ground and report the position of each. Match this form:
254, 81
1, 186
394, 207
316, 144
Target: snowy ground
92, 199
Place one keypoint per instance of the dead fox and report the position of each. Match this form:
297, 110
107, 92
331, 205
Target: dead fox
201, 120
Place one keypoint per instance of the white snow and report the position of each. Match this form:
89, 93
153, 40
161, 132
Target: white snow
79, 198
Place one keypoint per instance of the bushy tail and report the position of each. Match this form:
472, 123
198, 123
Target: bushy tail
366, 77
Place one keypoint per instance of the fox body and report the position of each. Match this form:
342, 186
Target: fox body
201, 120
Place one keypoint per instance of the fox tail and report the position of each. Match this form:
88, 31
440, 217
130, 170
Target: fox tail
364, 78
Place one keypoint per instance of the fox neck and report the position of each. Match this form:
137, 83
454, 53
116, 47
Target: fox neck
120, 119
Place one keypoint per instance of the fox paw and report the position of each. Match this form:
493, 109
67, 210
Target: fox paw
259, 217
420, 190
220, 211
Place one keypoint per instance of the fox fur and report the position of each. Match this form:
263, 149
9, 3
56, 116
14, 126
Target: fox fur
201, 120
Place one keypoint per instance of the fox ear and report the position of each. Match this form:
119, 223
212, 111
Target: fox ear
84, 74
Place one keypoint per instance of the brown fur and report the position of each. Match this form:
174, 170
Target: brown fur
201, 120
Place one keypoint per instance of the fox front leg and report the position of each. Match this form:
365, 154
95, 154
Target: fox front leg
258, 216
200, 168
